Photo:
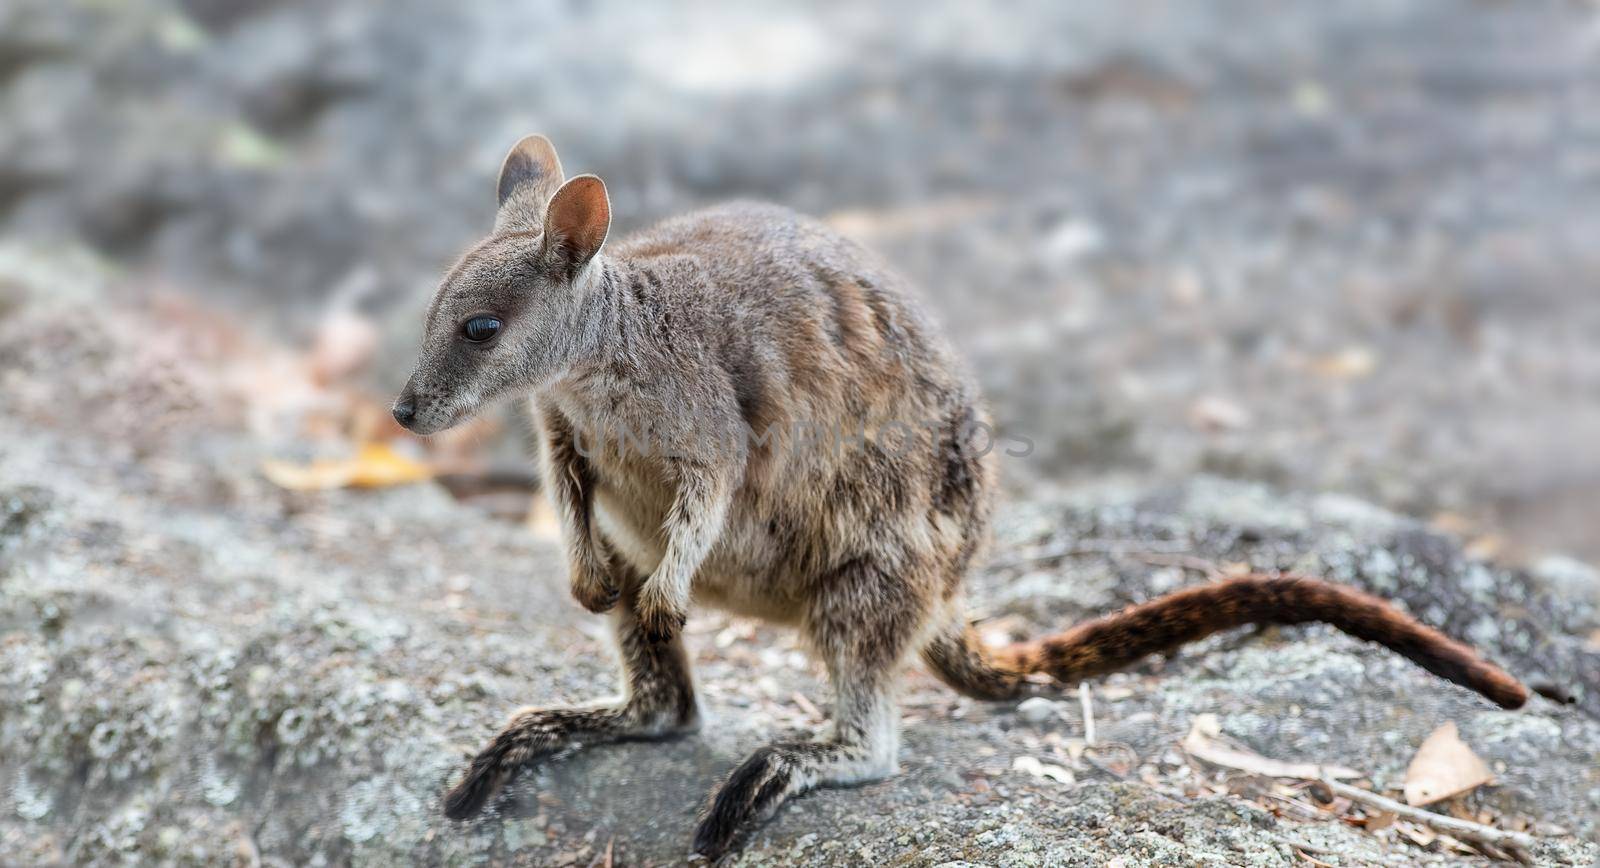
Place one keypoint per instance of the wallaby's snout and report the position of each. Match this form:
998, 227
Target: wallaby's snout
405, 409
411, 412
427, 411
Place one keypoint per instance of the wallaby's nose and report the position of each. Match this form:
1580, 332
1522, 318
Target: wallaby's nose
405, 410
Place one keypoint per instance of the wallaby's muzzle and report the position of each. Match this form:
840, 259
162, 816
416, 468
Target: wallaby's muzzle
405, 410
420, 411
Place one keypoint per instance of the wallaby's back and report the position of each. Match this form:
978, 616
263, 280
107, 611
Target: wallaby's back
819, 340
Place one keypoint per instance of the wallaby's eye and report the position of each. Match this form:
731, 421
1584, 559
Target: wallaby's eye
480, 328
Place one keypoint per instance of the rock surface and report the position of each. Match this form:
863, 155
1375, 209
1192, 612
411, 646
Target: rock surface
201, 668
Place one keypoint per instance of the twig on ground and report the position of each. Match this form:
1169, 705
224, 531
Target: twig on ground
1188, 562
1494, 852
1303, 809
1203, 743
807, 706
1121, 776
1302, 854
1298, 844
1517, 844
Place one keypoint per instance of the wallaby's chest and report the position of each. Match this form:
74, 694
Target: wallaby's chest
748, 571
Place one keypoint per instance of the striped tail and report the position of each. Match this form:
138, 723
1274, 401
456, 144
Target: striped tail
1117, 641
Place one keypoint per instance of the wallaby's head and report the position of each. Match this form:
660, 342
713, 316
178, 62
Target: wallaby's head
509, 315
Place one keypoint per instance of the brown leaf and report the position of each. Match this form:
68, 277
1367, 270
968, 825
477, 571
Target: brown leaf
1443, 767
1351, 363
1422, 836
1486, 547
1381, 820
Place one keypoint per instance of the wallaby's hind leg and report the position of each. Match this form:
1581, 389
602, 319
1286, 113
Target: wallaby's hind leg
658, 700
862, 641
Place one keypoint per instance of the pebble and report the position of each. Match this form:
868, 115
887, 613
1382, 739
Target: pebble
1037, 709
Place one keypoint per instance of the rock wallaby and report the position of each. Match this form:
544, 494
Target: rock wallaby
679, 379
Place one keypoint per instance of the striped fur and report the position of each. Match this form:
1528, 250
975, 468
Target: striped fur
1119, 640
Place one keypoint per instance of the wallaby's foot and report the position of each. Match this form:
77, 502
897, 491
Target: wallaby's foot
532, 733
862, 742
538, 732
776, 773
658, 702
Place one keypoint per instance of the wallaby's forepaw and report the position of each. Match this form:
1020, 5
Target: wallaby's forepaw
660, 620
592, 585
661, 625
595, 594
753, 791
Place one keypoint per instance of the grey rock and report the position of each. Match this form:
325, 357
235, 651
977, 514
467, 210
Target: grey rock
1036, 710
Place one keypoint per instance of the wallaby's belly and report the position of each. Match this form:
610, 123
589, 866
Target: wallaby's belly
748, 571
626, 526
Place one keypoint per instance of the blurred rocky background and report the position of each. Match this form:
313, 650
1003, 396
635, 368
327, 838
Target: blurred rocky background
1304, 286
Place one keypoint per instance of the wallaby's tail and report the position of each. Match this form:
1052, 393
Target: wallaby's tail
1116, 641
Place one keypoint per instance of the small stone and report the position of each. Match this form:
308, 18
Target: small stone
1036, 710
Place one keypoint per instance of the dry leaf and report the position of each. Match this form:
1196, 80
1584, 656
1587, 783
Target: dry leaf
1443, 767
1454, 523
1351, 363
1043, 770
1486, 547
1202, 743
1381, 820
1422, 836
375, 465
1215, 413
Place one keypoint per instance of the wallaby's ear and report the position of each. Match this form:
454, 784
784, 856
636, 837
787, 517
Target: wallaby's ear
530, 175
577, 222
